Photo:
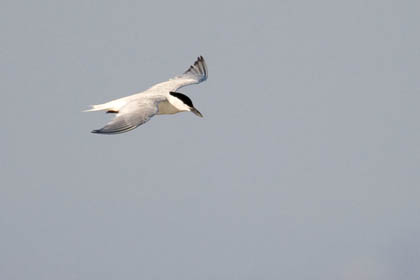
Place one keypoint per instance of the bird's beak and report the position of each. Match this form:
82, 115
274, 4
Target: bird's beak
195, 111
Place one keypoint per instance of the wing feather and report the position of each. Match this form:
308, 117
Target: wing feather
195, 74
130, 116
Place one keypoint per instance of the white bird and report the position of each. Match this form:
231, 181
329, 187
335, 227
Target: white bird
134, 110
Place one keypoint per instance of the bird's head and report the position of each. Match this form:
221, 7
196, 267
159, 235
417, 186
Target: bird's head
186, 103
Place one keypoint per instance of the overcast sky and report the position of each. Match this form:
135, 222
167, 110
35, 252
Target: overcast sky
305, 165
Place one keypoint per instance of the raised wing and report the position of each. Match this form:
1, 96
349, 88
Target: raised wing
131, 116
196, 74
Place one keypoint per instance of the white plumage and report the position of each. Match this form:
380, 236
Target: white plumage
134, 110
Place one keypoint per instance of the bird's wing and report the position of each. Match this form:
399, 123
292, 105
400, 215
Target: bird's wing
135, 113
196, 74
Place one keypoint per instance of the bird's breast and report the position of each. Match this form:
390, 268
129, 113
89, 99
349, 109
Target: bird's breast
167, 108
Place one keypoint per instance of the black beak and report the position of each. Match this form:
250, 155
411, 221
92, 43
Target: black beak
195, 111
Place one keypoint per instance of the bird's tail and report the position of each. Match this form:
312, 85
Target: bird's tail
111, 106
98, 107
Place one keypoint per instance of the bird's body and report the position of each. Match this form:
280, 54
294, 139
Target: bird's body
134, 110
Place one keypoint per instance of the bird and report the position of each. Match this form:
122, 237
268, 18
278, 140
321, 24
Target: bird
161, 99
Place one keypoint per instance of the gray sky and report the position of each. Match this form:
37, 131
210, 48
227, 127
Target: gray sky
305, 165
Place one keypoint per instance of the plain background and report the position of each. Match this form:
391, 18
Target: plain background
305, 165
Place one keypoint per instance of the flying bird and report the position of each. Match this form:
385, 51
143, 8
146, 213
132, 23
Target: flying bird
163, 98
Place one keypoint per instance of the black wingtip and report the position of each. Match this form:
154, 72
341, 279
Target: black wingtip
96, 131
